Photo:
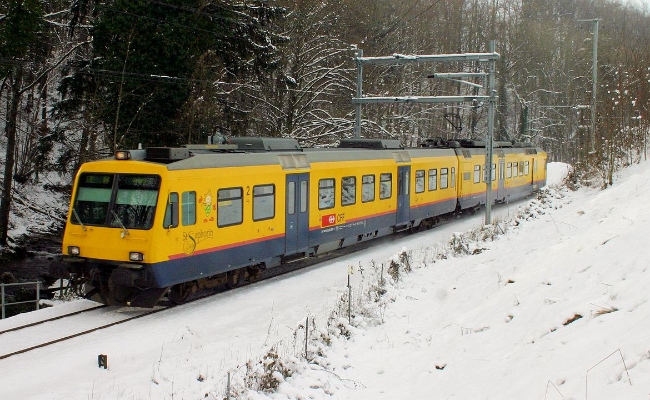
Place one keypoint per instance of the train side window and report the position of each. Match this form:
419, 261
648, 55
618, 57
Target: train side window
433, 179
419, 181
171, 211
453, 176
526, 167
385, 186
348, 190
303, 196
444, 178
263, 202
403, 185
291, 198
326, 194
521, 168
509, 170
367, 188
188, 200
229, 207
477, 174
515, 169
494, 172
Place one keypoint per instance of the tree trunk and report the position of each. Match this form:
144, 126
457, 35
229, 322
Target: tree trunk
10, 132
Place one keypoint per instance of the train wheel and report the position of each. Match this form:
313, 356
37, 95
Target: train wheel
178, 294
233, 278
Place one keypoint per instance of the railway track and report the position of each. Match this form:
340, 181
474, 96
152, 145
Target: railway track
36, 335
28, 325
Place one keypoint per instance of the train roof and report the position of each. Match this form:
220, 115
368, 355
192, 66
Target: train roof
299, 160
286, 152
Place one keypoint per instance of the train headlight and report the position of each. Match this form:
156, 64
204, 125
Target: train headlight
136, 256
73, 250
123, 155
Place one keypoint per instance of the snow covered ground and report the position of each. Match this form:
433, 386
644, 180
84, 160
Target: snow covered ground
555, 308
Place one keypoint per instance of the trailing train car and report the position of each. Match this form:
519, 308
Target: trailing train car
171, 221
518, 170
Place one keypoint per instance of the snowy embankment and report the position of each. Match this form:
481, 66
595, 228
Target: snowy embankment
555, 308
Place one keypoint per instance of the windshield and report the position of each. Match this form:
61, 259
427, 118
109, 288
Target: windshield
116, 200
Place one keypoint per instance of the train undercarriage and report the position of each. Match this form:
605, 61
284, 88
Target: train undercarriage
121, 284
118, 286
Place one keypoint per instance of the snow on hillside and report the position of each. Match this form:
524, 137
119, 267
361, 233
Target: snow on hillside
555, 308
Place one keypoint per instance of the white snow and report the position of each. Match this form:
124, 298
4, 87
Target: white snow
500, 324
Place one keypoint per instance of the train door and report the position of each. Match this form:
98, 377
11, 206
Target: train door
297, 213
536, 174
501, 187
531, 173
403, 198
465, 180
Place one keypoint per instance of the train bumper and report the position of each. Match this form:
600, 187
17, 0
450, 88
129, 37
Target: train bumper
115, 284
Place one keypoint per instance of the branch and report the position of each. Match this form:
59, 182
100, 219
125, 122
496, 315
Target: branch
56, 64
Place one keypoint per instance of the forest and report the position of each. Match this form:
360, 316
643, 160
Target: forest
82, 78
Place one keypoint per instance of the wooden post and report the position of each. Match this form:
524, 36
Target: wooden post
306, 335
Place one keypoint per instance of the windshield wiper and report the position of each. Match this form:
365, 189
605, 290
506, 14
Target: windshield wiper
74, 212
124, 230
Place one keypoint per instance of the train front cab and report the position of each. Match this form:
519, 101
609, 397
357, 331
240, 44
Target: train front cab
109, 230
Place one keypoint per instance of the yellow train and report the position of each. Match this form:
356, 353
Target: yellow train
168, 221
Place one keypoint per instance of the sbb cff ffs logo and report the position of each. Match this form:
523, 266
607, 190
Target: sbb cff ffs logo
328, 220
332, 219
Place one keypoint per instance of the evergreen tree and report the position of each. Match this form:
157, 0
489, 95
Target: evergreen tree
145, 53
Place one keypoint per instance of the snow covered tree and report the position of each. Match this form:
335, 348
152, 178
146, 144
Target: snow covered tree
309, 95
21, 29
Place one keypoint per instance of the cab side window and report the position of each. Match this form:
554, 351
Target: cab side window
171, 211
188, 206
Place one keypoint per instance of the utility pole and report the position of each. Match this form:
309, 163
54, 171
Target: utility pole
357, 106
489, 143
594, 67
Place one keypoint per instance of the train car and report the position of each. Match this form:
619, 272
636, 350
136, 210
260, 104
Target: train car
171, 221
518, 170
